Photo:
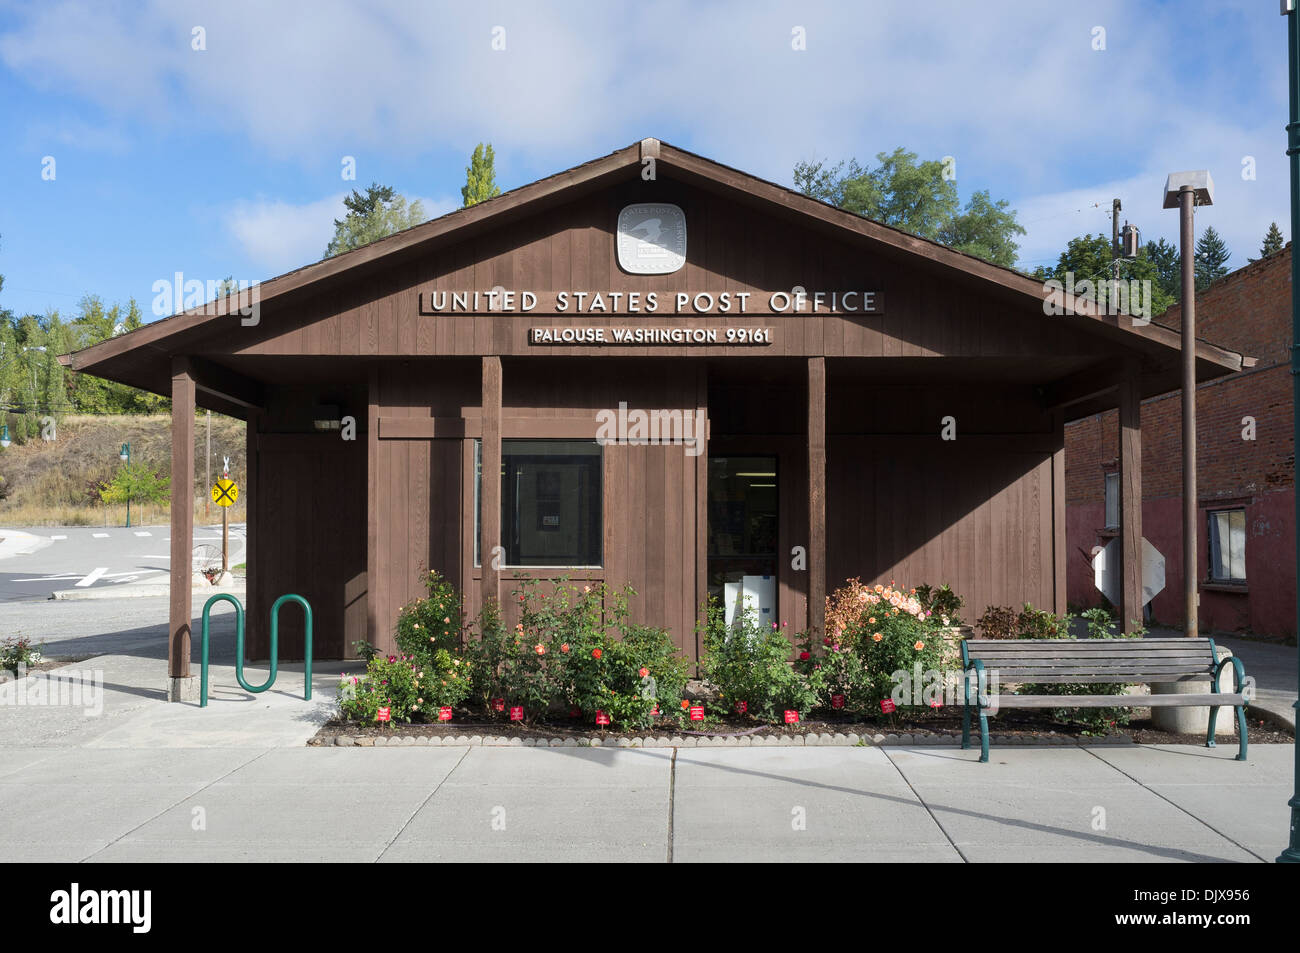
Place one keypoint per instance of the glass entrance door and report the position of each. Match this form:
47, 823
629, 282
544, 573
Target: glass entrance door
742, 555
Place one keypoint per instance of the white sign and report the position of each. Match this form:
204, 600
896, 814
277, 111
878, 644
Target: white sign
651, 238
1106, 575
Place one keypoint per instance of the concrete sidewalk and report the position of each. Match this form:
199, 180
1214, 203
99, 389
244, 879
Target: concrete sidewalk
600, 805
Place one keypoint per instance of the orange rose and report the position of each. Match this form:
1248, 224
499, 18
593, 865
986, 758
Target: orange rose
565, 648
596, 654
919, 645
877, 637
539, 649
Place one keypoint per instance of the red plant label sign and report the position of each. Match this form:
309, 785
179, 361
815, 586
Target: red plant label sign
697, 713
517, 713
887, 705
383, 715
837, 701
742, 707
791, 717
602, 718
655, 710
498, 704
936, 704
444, 713
575, 712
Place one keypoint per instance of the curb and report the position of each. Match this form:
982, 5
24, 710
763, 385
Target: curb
134, 591
824, 740
1278, 719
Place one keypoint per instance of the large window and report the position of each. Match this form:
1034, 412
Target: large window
550, 502
1228, 545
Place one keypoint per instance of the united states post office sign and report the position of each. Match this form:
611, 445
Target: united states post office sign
651, 238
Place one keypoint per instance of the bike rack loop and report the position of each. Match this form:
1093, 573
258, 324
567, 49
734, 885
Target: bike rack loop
239, 644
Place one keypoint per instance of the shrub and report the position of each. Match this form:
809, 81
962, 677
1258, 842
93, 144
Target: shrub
412, 688
431, 622
837, 670
997, 622
18, 651
941, 603
750, 662
893, 636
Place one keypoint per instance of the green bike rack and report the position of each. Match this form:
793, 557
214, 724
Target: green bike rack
239, 644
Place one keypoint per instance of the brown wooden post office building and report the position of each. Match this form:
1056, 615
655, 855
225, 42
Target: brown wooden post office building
648, 369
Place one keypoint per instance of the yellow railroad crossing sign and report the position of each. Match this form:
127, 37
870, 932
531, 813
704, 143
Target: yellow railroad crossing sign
224, 492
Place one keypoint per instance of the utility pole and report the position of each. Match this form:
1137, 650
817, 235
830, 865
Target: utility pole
1184, 191
1291, 855
207, 468
1115, 209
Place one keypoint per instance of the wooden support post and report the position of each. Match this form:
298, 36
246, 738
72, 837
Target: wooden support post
490, 493
182, 519
816, 493
1130, 500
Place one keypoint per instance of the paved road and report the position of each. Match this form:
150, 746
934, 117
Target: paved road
35, 562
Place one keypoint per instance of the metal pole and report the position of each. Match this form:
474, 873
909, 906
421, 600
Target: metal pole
1292, 853
207, 467
1187, 243
128, 486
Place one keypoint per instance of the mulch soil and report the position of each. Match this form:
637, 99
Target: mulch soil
1031, 724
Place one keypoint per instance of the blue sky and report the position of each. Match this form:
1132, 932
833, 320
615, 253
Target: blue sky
227, 160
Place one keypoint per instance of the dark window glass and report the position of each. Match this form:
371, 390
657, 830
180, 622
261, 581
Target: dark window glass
551, 502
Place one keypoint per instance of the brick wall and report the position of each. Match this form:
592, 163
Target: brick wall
1247, 311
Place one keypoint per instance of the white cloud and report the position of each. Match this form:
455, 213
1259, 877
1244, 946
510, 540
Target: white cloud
279, 236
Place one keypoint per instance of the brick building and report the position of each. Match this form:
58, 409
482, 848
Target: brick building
1245, 464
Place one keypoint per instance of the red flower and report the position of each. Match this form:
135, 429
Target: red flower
804, 656
564, 649
596, 654
539, 649
643, 671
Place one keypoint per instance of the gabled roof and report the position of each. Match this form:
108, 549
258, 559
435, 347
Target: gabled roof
1016, 288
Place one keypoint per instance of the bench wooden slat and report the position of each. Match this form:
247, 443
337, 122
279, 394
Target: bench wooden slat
1126, 678
1114, 701
1077, 649
1047, 666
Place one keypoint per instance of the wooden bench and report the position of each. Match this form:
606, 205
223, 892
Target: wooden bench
1084, 661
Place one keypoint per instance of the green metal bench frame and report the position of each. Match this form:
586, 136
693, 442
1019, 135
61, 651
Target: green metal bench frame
1084, 661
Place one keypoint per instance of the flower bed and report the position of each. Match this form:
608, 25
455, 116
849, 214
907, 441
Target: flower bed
575, 659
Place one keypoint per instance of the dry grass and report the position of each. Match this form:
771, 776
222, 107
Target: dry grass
48, 484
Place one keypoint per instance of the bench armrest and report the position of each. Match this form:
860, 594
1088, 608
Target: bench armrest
1238, 673
981, 682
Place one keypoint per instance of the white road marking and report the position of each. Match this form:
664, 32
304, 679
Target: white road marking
90, 579
140, 533
51, 578
58, 537
99, 535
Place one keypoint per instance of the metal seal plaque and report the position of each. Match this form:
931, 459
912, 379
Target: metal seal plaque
651, 238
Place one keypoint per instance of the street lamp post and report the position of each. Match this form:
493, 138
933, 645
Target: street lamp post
1291, 855
126, 457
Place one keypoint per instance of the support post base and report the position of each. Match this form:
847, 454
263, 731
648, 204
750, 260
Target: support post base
184, 689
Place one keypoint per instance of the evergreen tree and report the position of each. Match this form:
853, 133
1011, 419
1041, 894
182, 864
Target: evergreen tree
480, 177
1272, 243
375, 215
1169, 267
1211, 259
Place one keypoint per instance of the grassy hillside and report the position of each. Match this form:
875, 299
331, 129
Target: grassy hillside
51, 483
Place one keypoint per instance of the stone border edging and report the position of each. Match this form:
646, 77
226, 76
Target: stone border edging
824, 739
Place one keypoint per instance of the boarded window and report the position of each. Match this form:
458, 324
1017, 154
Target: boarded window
1112, 500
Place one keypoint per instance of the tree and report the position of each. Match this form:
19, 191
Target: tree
1088, 258
1169, 267
480, 176
918, 198
370, 217
1211, 258
1272, 243
137, 483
